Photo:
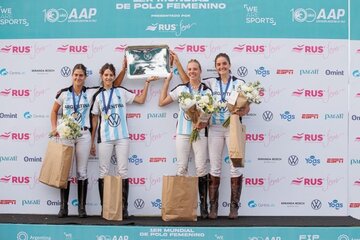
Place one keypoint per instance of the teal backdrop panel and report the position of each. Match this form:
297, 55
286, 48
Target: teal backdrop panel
354, 20
320, 19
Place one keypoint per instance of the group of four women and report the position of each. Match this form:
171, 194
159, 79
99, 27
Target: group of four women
107, 105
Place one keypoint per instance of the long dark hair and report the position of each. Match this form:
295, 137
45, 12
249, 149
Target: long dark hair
81, 67
106, 66
224, 55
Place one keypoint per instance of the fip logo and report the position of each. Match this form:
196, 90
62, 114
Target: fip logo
309, 237
16, 49
247, 48
308, 49
121, 48
73, 49
309, 15
60, 15
190, 48
15, 136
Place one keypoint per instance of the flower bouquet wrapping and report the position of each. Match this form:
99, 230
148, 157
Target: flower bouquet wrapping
247, 93
59, 153
68, 129
198, 108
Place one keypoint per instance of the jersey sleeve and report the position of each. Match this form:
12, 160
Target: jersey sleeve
59, 99
129, 96
96, 109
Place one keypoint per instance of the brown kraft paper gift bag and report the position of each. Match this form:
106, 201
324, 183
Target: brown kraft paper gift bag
112, 202
179, 198
57, 164
237, 141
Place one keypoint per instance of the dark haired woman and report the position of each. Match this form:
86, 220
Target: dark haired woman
109, 107
75, 101
222, 86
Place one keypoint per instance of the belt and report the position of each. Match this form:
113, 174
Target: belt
84, 128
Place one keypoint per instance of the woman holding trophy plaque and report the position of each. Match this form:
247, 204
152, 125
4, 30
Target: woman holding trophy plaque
190, 134
75, 102
109, 109
219, 133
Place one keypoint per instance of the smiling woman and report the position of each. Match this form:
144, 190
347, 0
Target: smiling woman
109, 108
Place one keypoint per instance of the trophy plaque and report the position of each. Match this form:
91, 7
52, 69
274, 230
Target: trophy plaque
146, 61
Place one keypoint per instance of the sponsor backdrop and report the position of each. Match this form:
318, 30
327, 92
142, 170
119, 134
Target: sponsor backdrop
302, 141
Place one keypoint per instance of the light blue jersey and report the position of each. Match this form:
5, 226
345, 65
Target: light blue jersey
111, 106
221, 92
184, 124
77, 106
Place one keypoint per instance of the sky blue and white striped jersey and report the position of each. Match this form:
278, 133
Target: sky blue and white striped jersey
184, 124
66, 99
226, 89
113, 124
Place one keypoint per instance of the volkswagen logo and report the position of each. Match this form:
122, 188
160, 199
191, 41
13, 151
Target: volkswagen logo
293, 160
316, 204
139, 203
267, 116
65, 71
114, 120
242, 71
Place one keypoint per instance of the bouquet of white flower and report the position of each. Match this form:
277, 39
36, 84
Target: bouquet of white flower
198, 108
247, 93
68, 128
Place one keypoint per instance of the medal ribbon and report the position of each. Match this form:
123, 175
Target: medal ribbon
106, 107
200, 89
223, 94
76, 105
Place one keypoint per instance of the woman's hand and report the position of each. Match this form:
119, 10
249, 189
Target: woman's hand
173, 58
53, 133
152, 78
201, 125
93, 149
243, 110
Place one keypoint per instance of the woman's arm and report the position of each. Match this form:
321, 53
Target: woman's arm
121, 75
140, 99
183, 76
165, 98
53, 118
94, 123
